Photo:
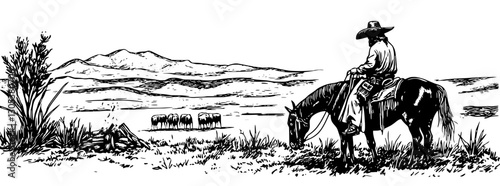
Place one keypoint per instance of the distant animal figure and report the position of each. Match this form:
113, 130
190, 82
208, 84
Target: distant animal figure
158, 119
216, 119
203, 120
173, 120
209, 120
186, 120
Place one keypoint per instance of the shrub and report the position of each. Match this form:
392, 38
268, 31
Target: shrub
28, 74
72, 136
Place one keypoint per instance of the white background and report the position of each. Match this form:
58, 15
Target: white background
433, 39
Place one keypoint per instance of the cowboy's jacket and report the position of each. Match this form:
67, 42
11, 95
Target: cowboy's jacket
381, 60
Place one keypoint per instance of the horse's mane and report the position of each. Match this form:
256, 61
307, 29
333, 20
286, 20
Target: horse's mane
319, 94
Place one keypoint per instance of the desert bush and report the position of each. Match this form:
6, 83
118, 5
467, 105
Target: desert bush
73, 135
28, 74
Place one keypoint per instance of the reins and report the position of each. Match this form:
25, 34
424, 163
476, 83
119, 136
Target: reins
323, 123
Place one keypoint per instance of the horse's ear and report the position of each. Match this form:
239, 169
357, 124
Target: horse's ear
288, 109
293, 105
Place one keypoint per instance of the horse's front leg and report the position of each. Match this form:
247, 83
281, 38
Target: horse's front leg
371, 144
343, 140
350, 144
343, 147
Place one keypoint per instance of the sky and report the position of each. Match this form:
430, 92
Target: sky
432, 39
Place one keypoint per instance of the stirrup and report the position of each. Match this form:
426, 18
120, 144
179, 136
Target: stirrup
352, 130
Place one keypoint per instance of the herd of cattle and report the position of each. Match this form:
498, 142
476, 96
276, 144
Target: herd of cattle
174, 121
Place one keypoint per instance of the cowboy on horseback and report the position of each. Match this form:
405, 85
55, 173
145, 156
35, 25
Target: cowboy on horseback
380, 65
423, 99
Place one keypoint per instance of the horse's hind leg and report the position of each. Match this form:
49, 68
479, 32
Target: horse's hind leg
426, 131
417, 139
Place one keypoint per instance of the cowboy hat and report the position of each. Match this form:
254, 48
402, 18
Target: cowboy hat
373, 29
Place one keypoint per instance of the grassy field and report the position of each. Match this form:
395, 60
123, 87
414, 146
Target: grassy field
252, 153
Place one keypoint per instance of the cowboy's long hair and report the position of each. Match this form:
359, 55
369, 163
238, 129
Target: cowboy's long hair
380, 37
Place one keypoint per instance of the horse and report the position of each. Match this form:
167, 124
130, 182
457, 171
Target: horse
186, 120
158, 119
203, 120
415, 103
209, 120
173, 120
216, 119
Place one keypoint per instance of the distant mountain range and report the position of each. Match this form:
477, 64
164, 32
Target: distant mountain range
149, 74
124, 64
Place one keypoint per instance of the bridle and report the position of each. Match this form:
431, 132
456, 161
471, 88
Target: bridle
297, 124
323, 120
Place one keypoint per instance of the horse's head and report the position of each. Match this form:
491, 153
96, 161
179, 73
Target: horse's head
297, 126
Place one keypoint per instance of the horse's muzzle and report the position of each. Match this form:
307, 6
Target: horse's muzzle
296, 146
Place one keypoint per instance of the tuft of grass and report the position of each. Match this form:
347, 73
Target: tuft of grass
401, 158
392, 145
326, 147
191, 140
255, 142
476, 145
170, 165
397, 155
157, 143
4, 140
23, 142
445, 148
72, 136
245, 142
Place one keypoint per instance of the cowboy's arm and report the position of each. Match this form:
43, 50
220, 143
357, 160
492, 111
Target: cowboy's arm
370, 61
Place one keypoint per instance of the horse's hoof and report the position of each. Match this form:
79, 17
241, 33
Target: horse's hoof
347, 164
417, 154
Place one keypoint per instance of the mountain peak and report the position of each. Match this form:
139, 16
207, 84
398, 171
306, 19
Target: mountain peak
120, 52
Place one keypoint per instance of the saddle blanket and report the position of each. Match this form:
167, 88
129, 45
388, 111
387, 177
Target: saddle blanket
388, 91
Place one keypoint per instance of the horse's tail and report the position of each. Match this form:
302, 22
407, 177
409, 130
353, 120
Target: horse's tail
445, 115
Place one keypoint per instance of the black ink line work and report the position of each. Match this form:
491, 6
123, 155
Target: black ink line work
139, 109
466, 81
480, 111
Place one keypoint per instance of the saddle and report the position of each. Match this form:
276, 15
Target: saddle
388, 89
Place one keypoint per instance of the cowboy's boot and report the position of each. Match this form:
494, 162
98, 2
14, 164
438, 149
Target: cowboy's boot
352, 129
